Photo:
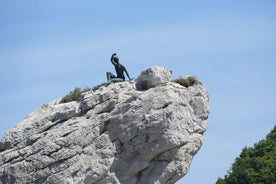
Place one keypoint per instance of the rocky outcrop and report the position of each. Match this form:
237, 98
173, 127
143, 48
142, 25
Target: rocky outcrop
153, 77
116, 134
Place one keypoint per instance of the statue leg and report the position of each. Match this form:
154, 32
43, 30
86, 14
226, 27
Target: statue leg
109, 76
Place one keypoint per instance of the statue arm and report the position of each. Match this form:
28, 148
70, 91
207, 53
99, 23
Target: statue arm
127, 73
112, 58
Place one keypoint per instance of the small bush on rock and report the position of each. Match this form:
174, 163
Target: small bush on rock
188, 81
72, 96
76, 93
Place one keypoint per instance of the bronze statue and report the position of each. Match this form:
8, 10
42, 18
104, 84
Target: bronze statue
120, 69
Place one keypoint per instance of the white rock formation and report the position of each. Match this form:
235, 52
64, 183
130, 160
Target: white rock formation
116, 134
153, 77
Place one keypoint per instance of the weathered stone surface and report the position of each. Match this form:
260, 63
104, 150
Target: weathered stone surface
153, 77
116, 134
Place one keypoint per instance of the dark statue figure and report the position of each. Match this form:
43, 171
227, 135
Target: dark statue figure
120, 69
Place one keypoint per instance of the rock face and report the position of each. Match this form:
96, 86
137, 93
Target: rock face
116, 134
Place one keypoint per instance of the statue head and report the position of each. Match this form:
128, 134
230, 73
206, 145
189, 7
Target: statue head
116, 59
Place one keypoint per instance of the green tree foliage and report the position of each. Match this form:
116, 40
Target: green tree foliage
255, 165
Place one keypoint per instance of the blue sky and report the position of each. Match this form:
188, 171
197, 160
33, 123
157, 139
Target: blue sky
47, 48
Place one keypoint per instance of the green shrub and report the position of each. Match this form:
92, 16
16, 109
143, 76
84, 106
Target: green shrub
188, 81
76, 93
72, 96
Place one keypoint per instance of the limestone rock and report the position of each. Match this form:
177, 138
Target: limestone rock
153, 77
116, 134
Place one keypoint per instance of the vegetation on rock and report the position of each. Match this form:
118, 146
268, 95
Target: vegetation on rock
76, 93
255, 165
188, 81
